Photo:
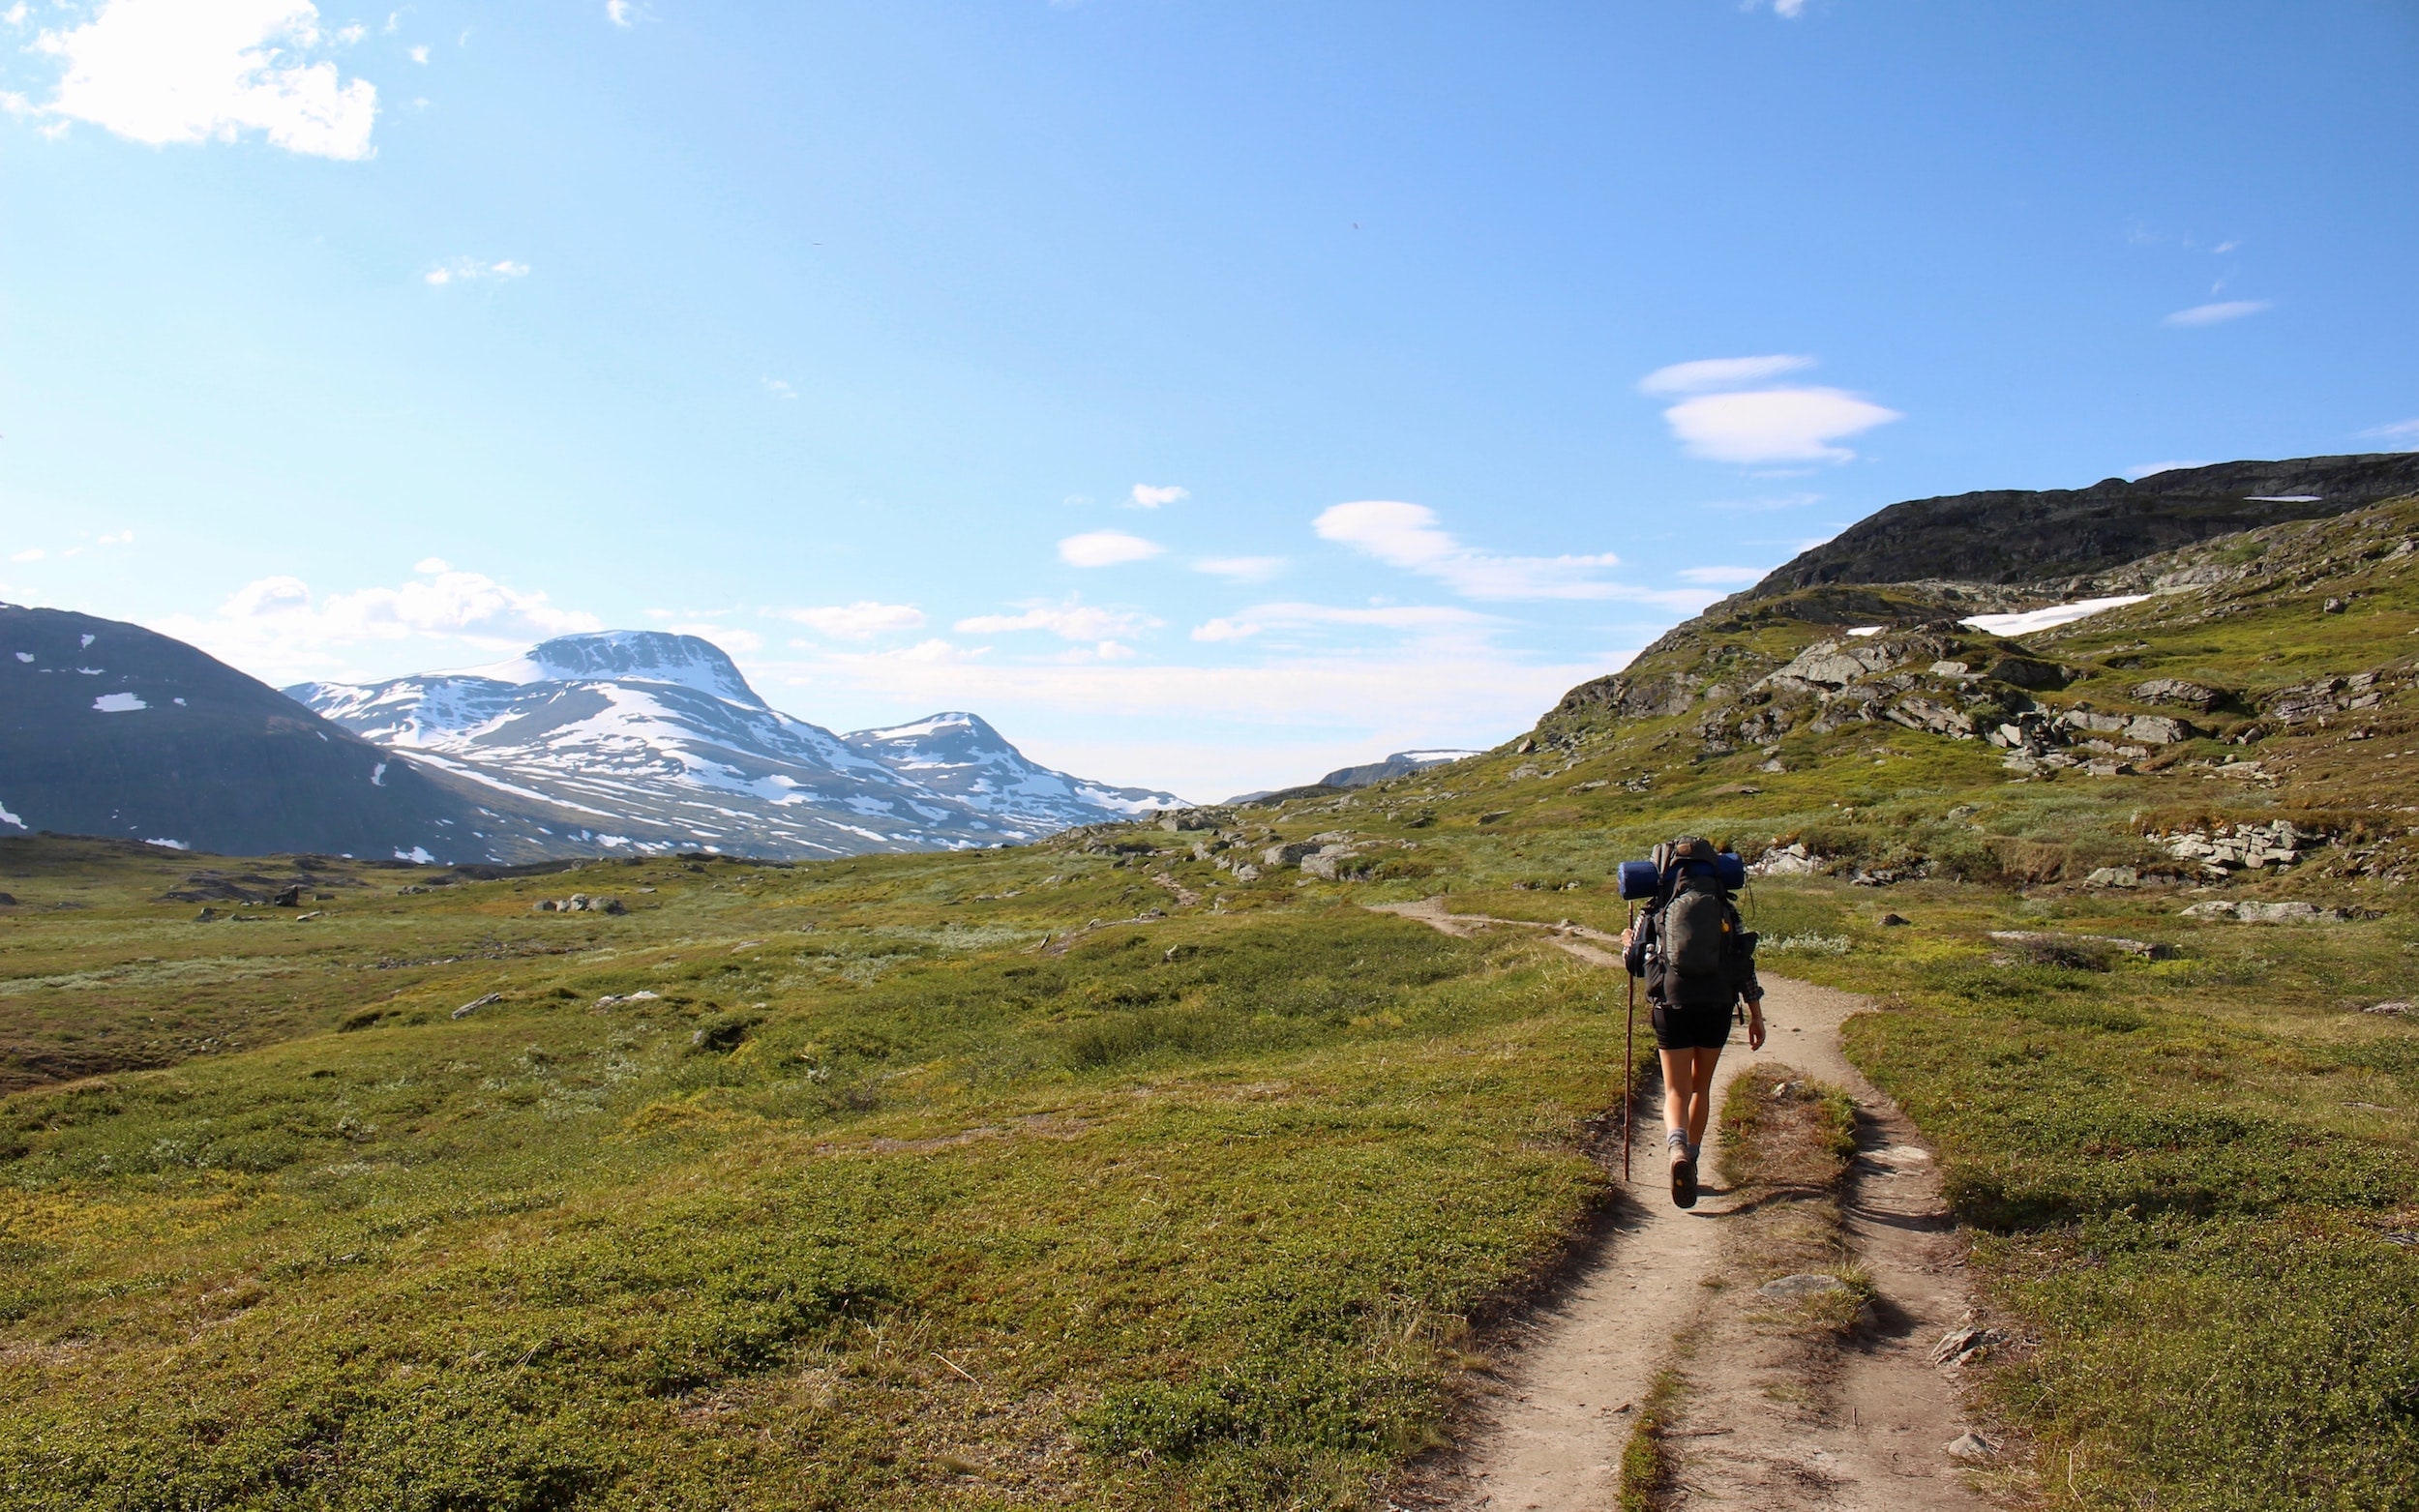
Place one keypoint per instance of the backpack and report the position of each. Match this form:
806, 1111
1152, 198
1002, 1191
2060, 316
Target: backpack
1702, 952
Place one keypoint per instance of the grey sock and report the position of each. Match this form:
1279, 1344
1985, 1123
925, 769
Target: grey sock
1677, 1139
1693, 1151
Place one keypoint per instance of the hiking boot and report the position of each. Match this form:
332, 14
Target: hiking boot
1683, 1182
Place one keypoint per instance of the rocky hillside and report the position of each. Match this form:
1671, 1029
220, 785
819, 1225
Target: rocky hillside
2013, 536
108, 729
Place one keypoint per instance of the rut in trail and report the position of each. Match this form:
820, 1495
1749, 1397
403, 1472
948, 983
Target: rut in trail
1551, 1435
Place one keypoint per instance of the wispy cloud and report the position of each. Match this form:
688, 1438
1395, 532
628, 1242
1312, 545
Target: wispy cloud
1106, 549
195, 70
1719, 372
779, 389
32, 554
1726, 419
1242, 569
2220, 313
472, 270
621, 13
733, 639
1723, 576
276, 626
1147, 496
2403, 435
1425, 619
418, 54
1407, 536
860, 621
1068, 621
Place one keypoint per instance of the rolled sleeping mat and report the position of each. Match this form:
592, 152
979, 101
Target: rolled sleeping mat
1730, 870
1638, 879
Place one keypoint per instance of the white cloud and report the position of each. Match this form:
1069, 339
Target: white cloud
2216, 313
1106, 549
32, 554
731, 640
2137, 474
472, 270
2404, 434
1407, 536
1242, 569
1723, 576
1788, 10
14, 15
1145, 496
115, 538
1421, 619
621, 13
194, 71
1068, 621
779, 389
278, 628
1774, 424
860, 621
433, 564
1719, 372
419, 55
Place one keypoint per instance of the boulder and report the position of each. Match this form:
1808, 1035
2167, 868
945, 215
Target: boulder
2023, 671
2114, 876
2176, 692
2158, 729
288, 897
2291, 911
477, 1003
1288, 853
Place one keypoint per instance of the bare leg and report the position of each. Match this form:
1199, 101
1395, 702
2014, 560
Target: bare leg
1679, 1088
1701, 1091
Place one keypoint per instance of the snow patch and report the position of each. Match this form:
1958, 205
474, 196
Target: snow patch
2282, 498
419, 853
25, 656
89, 639
1873, 630
119, 704
2057, 614
5, 818
377, 773
168, 845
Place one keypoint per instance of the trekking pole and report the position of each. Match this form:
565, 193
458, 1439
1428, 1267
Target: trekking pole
1628, 1054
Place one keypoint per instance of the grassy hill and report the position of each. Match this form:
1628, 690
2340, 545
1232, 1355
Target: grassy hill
1145, 1170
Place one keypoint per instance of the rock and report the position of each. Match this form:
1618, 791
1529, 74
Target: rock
1965, 1344
2156, 729
1246, 873
1289, 854
1801, 1288
1890, 921
2291, 911
207, 916
2114, 876
2332, 607
611, 1000
2024, 673
305, 918
1330, 862
2396, 1010
612, 905
1184, 819
1950, 669
2047, 946
477, 1003
1972, 1447
2108, 768
543, 906
1791, 860
2176, 691
1498, 815
288, 897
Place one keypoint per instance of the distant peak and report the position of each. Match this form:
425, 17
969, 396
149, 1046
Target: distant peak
628, 656
952, 722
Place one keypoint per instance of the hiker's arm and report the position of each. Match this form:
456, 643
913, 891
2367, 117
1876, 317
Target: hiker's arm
1633, 942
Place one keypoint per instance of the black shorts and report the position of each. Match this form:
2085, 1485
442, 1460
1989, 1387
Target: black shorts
1691, 1028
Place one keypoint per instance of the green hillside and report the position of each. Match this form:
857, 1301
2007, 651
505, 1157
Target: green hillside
1147, 1169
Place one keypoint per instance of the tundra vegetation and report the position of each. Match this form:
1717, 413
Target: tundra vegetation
1144, 1168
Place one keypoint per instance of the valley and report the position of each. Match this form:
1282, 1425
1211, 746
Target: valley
1163, 1162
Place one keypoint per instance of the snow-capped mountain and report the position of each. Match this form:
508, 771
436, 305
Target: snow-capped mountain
647, 733
960, 756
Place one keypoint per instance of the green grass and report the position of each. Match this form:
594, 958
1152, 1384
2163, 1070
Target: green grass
881, 1201
896, 1211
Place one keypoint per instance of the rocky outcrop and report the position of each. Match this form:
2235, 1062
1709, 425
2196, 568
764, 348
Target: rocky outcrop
2023, 536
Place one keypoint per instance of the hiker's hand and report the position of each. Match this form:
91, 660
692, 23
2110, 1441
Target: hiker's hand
1626, 937
1755, 1026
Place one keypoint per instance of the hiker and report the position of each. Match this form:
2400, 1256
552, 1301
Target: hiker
1698, 962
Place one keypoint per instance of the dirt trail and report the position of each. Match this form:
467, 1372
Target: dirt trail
1557, 1426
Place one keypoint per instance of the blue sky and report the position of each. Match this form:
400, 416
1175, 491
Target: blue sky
1207, 394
